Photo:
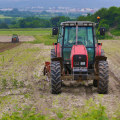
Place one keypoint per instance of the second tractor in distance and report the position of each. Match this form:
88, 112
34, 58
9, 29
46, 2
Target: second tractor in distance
15, 38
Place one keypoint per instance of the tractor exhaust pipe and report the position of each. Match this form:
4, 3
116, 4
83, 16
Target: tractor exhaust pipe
76, 32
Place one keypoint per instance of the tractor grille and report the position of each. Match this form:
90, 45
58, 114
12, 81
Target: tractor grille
79, 60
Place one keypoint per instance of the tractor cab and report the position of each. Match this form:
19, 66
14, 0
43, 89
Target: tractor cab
77, 33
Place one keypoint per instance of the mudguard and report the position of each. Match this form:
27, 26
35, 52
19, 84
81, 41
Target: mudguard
60, 59
58, 49
100, 58
97, 59
98, 50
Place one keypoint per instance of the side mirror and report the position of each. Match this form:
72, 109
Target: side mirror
102, 31
54, 44
55, 31
100, 44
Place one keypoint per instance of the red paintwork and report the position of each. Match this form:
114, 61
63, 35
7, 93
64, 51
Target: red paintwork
55, 48
47, 63
58, 49
78, 50
98, 50
47, 66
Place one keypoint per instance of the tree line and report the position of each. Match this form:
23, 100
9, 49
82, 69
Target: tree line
34, 22
109, 18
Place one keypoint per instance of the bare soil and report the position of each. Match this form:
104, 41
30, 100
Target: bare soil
7, 46
37, 87
21, 38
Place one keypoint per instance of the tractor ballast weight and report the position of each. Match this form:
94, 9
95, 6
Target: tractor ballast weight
78, 55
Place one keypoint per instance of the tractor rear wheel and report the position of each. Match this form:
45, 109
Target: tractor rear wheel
53, 53
103, 77
102, 53
56, 82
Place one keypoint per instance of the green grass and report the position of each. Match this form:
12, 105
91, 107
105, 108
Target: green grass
46, 39
3, 17
106, 37
26, 31
115, 32
90, 111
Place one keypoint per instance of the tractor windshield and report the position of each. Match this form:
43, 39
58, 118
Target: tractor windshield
85, 36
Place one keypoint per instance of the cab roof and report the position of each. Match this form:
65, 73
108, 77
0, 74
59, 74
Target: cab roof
80, 23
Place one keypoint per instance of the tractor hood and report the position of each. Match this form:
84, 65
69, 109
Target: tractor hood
81, 52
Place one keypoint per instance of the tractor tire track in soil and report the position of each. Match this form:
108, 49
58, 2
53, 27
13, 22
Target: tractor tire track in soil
7, 46
114, 76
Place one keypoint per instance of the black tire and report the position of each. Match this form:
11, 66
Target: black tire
44, 71
53, 53
103, 77
56, 82
95, 83
102, 53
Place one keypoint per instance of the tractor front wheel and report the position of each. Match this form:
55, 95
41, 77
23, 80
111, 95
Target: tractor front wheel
56, 82
103, 77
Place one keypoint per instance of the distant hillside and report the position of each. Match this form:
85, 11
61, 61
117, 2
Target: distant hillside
44, 15
64, 3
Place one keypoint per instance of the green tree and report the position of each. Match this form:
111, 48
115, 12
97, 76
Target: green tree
22, 23
4, 26
55, 21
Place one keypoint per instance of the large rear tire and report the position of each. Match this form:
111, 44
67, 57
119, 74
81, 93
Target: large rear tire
53, 53
102, 53
103, 77
56, 82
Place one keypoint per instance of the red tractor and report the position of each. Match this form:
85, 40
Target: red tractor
15, 38
77, 55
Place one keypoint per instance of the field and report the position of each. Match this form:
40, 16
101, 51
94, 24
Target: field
4, 17
115, 32
31, 35
23, 87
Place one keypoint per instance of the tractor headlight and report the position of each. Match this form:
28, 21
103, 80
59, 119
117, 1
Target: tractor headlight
82, 63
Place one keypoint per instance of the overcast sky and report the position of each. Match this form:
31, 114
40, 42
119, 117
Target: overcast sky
64, 3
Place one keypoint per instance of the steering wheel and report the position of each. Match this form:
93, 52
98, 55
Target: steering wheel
73, 43
78, 42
